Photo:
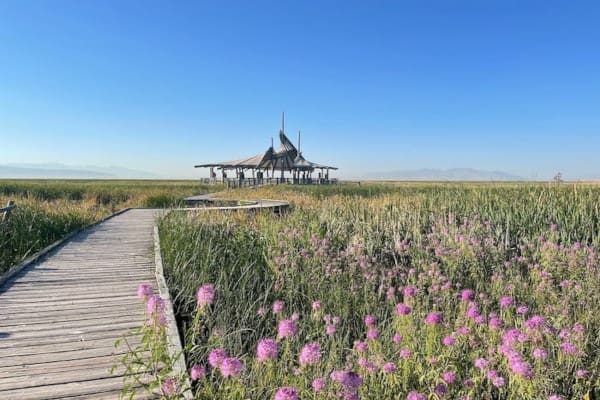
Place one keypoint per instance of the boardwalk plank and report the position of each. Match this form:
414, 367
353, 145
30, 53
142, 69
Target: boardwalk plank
60, 317
60, 391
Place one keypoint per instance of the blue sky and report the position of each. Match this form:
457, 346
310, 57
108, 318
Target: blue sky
373, 85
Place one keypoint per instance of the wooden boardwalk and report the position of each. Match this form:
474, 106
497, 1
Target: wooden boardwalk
60, 317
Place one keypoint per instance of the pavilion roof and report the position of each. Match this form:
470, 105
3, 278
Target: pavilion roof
250, 162
286, 157
302, 163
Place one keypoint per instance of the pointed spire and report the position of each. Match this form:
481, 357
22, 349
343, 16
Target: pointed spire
299, 149
283, 122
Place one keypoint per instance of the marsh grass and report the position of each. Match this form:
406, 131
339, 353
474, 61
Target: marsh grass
47, 210
355, 249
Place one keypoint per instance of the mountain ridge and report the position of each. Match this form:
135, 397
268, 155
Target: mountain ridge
63, 171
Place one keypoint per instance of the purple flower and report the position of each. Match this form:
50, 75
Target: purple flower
390, 293
449, 341
330, 330
350, 394
568, 348
262, 311
409, 291
370, 320
415, 396
170, 387
397, 338
316, 305
231, 366
319, 384
467, 295
286, 393
522, 310
155, 305
388, 367
520, 367
582, 373
216, 357
360, 346
498, 381
481, 363
351, 379
578, 328
555, 397
310, 354
197, 372
535, 322
463, 330
495, 323
506, 301
449, 377
266, 350
492, 373
433, 318
278, 306
403, 309
287, 328
372, 334
348, 379
440, 390
405, 353
564, 334
473, 311
366, 364
205, 295
145, 290
540, 353
336, 376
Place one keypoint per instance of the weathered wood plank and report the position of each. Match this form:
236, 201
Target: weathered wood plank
61, 313
53, 378
47, 340
102, 362
82, 324
44, 320
106, 343
60, 391
78, 354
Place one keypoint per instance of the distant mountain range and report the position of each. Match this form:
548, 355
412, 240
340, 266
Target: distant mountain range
454, 174
62, 171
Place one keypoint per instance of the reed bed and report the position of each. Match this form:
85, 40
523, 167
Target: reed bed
412, 291
47, 210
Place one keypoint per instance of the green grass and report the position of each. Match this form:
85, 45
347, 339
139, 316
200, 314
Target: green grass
49, 209
316, 252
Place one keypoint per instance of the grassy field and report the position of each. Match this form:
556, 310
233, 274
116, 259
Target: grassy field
396, 291
47, 210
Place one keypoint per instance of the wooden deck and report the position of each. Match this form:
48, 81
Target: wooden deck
277, 206
60, 317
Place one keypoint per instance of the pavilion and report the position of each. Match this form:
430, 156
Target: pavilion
264, 166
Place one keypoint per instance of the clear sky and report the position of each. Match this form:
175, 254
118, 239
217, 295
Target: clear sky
373, 85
